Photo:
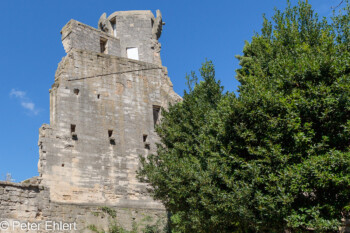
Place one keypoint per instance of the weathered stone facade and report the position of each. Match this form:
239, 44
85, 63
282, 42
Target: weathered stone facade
103, 109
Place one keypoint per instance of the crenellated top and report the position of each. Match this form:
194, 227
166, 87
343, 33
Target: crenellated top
128, 34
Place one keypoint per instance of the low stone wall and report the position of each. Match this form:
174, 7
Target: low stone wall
22, 201
28, 208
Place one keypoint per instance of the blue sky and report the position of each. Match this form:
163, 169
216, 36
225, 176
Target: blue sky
31, 49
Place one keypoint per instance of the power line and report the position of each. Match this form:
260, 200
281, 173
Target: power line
120, 72
338, 5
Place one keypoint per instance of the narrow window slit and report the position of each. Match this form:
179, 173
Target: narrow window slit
114, 26
156, 111
103, 45
111, 138
73, 133
147, 145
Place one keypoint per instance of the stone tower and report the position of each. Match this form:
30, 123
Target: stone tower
104, 104
105, 101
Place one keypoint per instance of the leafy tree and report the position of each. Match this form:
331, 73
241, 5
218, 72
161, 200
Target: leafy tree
294, 111
179, 173
277, 156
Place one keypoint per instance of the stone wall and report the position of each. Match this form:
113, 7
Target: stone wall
22, 201
134, 28
27, 203
98, 94
81, 36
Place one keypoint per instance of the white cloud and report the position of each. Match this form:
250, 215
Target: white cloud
18, 94
24, 100
28, 105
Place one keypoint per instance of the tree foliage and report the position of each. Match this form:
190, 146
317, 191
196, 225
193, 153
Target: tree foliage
277, 156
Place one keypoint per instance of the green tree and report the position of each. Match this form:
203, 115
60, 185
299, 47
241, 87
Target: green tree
277, 156
294, 111
179, 173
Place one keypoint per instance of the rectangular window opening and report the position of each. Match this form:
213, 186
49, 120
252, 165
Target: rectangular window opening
73, 133
72, 128
132, 53
144, 137
110, 133
103, 45
156, 111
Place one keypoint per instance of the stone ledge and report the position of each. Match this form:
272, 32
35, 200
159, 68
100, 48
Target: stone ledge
127, 204
21, 185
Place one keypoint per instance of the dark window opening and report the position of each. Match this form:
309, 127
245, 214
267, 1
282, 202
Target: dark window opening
103, 45
111, 138
76, 91
62, 164
73, 133
147, 145
98, 96
72, 128
156, 111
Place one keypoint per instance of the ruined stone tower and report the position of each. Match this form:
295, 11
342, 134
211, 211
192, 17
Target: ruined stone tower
104, 104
